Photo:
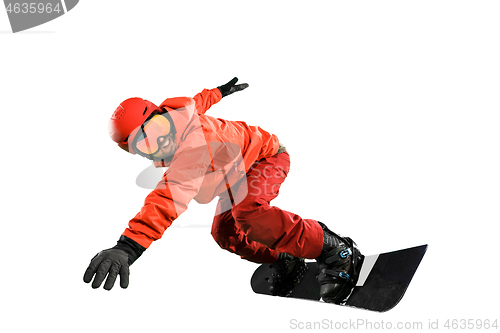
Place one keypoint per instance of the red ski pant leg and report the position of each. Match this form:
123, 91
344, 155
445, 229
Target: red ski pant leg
264, 230
231, 238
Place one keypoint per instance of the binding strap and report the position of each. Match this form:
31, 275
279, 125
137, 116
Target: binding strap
333, 273
338, 256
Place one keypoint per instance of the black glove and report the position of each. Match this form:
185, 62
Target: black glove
112, 262
231, 87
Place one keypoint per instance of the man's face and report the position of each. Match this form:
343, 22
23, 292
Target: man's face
156, 138
167, 145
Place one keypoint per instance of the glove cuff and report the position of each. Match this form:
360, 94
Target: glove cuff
131, 247
223, 91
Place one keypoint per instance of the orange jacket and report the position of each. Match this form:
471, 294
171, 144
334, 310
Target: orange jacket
212, 154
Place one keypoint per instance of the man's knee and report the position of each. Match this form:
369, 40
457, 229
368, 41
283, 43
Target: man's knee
221, 239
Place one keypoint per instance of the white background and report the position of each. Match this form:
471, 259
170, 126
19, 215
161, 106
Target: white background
389, 109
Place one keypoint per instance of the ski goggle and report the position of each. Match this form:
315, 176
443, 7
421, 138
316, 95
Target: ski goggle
146, 139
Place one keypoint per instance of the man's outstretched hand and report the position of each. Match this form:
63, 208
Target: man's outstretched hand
109, 263
231, 87
113, 262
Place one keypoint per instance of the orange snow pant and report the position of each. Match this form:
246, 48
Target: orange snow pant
257, 231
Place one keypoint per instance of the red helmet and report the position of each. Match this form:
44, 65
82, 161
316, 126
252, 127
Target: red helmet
127, 118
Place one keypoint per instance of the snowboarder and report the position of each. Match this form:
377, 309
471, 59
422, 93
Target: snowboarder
242, 165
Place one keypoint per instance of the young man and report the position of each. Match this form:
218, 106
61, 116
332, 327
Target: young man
242, 165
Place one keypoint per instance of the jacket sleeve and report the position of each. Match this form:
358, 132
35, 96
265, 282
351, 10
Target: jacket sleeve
180, 184
205, 99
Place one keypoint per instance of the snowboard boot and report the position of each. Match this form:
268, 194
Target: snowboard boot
288, 271
338, 264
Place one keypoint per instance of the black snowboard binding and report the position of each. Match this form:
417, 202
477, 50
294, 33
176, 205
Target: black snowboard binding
287, 273
339, 264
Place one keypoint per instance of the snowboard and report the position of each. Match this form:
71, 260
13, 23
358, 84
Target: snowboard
383, 280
